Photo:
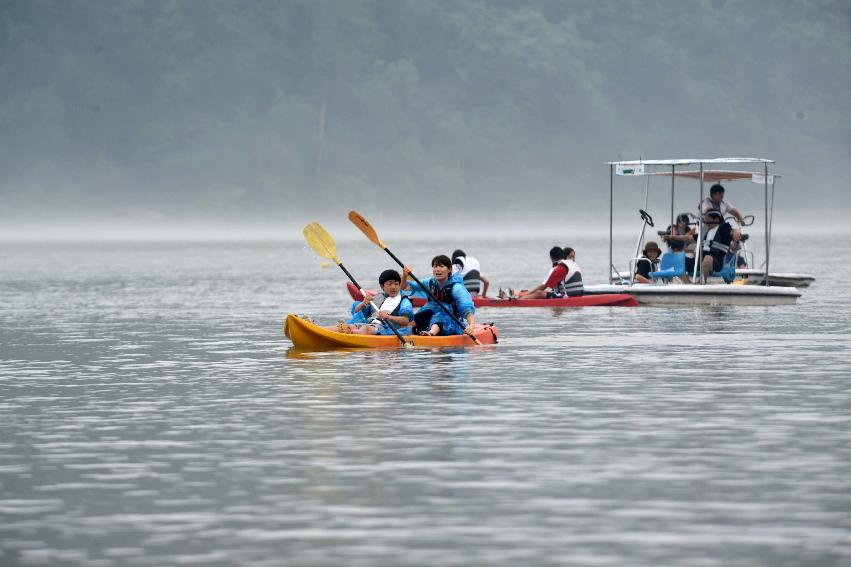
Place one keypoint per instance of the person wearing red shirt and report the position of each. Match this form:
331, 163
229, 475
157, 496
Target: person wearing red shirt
555, 279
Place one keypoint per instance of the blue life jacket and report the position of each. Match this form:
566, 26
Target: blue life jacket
444, 294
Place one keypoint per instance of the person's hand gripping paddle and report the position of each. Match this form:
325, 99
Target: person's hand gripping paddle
366, 228
323, 244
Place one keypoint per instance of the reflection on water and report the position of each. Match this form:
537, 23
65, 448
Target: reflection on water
153, 414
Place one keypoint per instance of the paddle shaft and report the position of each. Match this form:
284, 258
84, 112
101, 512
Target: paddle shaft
372, 304
419, 283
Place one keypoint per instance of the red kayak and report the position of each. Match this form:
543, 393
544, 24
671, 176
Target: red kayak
603, 299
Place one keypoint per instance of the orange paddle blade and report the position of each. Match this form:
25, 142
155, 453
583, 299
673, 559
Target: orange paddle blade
366, 228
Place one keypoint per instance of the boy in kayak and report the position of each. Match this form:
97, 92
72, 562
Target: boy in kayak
449, 290
393, 308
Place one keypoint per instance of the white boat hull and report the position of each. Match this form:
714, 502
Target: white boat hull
757, 277
712, 294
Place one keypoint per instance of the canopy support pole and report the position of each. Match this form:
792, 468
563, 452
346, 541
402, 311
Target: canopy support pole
611, 220
767, 225
673, 175
698, 253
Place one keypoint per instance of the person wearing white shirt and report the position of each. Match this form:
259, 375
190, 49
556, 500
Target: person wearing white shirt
470, 271
716, 201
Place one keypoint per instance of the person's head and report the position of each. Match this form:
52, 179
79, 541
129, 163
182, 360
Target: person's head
390, 280
458, 254
441, 266
569, 253
716, 193
682, 220
652, 250
556, 253
713, 217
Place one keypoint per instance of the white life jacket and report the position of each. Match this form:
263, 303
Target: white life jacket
390, 304
572, 284
718, 239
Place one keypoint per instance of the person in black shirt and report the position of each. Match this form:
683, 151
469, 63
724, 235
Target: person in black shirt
647, 263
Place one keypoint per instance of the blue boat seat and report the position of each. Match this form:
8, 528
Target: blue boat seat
728, 270
672, 264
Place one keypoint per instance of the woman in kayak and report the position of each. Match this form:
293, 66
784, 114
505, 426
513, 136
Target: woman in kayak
393, 308
449, 289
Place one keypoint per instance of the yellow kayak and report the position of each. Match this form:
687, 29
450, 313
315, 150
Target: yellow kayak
306, 334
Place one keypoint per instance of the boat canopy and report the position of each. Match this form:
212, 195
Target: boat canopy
690, 161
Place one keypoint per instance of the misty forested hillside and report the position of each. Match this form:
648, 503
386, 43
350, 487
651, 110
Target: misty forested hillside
251, 107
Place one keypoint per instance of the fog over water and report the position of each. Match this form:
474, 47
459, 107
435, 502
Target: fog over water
192, 118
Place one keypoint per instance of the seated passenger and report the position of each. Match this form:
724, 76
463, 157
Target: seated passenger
573, 283
681, 235
449, 290
682, 238
553, 286
393, 308
470, 271
720, 241
647, 263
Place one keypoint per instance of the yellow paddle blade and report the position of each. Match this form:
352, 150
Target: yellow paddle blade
365, 228
321, 242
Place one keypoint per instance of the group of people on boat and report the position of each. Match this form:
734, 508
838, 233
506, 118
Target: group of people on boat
720, 240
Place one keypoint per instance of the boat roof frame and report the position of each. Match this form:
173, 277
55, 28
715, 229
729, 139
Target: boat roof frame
690, 161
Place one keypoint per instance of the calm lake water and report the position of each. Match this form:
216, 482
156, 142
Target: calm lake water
153, 413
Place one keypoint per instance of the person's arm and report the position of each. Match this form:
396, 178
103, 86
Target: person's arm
367, 297
680, 237
485, 284
735, 212
398, 320
470, 322
737, 240
642, 271
406, 314
556, 275
463, 300
405, 285
522, 294
464, 303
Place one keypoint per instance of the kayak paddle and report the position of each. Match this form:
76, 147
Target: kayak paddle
323, 244
366, 228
